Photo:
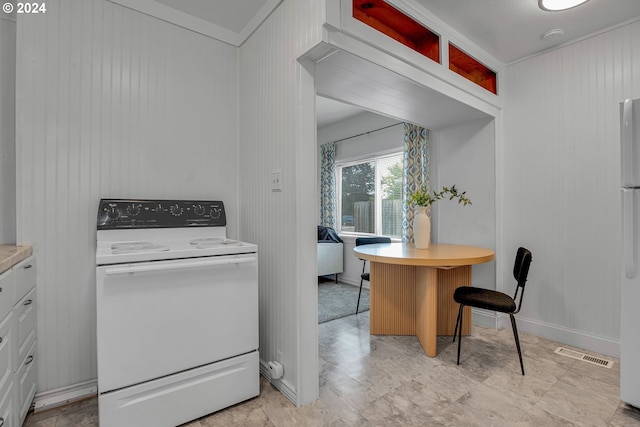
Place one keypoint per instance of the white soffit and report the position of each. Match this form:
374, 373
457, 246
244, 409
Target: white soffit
355, 81
230, 21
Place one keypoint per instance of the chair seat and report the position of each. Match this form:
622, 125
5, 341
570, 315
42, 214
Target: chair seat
484, 298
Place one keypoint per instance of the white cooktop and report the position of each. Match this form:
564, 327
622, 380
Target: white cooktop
138, 245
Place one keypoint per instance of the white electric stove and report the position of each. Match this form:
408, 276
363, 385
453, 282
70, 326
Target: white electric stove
177, 312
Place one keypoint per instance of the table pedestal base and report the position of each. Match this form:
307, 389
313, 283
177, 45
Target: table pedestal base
417, 300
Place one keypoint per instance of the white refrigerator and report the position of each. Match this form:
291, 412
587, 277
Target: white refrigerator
630, 286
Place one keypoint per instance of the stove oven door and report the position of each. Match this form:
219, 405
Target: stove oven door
162, 317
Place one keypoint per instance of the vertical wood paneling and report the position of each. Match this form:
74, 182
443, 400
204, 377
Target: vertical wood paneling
393, 299
110, 103
448, 281
7, 130
270, 95
561, 153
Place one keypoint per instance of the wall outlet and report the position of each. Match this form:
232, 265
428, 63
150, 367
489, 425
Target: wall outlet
276, 181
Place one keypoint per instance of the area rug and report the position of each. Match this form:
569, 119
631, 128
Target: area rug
336, 300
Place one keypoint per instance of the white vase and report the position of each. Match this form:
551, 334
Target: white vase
421, 228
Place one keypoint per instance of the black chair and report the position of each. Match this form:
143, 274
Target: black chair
494, 300
365, 276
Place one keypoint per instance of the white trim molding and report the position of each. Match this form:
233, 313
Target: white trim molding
194, 23
557, 333
64, 395
563, 335
281, 384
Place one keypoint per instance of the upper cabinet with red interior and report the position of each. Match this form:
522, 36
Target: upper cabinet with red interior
443, 52
385, 18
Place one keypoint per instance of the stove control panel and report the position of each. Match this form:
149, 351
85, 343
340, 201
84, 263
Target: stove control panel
125, 213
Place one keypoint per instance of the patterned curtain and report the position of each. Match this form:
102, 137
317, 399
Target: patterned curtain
328, 185
416, 172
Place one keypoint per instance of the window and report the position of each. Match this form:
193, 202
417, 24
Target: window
370, 195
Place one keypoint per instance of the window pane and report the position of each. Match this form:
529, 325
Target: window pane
358, 198
391, 171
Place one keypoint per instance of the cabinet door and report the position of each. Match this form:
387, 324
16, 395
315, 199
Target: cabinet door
26, 383
6, 372
7, 414
25, 320
25, 277
6, 292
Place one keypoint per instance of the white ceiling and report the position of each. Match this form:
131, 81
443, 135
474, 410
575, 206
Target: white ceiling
508, 30
329, 111
233, 15
512, 29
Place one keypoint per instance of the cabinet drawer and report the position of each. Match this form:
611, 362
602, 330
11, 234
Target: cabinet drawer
6, 292
6, 407
25, 324
26, 383
25, 277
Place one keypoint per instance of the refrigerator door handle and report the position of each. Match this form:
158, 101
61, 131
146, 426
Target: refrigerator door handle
627, 147
630, 232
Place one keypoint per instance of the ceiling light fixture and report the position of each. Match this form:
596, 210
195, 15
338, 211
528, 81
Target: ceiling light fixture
556, 5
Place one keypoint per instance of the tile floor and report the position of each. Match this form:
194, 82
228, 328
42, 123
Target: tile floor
387, 380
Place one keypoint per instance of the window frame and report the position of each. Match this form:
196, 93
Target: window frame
339, 164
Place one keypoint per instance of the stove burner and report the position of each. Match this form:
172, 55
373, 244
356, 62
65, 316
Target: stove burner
208, 241
212, 242
132, 247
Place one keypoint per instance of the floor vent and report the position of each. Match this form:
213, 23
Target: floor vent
584, 357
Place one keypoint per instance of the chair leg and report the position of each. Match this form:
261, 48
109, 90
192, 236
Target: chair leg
359, 293
455, 331
336, 277
515, 335
459, 330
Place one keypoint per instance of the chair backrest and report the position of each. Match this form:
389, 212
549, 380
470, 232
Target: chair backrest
521, 271
372, 240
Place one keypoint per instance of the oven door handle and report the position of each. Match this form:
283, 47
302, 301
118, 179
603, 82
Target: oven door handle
176, 266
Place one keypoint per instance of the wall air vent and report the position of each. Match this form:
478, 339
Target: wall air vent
584, 357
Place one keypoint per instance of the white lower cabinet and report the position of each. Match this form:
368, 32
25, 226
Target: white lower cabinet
7, 410
17, 342
25, 383
7, 417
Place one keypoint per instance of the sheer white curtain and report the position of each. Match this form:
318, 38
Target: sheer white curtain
416, 172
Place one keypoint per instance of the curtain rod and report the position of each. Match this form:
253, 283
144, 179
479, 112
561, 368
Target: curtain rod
367, 133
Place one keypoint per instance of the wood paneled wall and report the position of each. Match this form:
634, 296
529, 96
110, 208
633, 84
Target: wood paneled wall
110, 103
561, 181
7, 129
273, 88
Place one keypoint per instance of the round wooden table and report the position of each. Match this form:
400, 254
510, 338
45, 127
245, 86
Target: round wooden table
412, 289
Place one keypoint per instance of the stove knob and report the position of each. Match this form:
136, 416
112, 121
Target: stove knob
199, 210
176, 210
133, 209
113, 212
215, 213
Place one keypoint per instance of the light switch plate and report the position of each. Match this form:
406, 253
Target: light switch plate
276, 181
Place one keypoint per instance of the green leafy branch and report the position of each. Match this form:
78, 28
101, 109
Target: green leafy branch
424, 196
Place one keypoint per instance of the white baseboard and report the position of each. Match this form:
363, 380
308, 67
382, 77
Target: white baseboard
281, 384
64, 395
487, 319
564, 335
549, 331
